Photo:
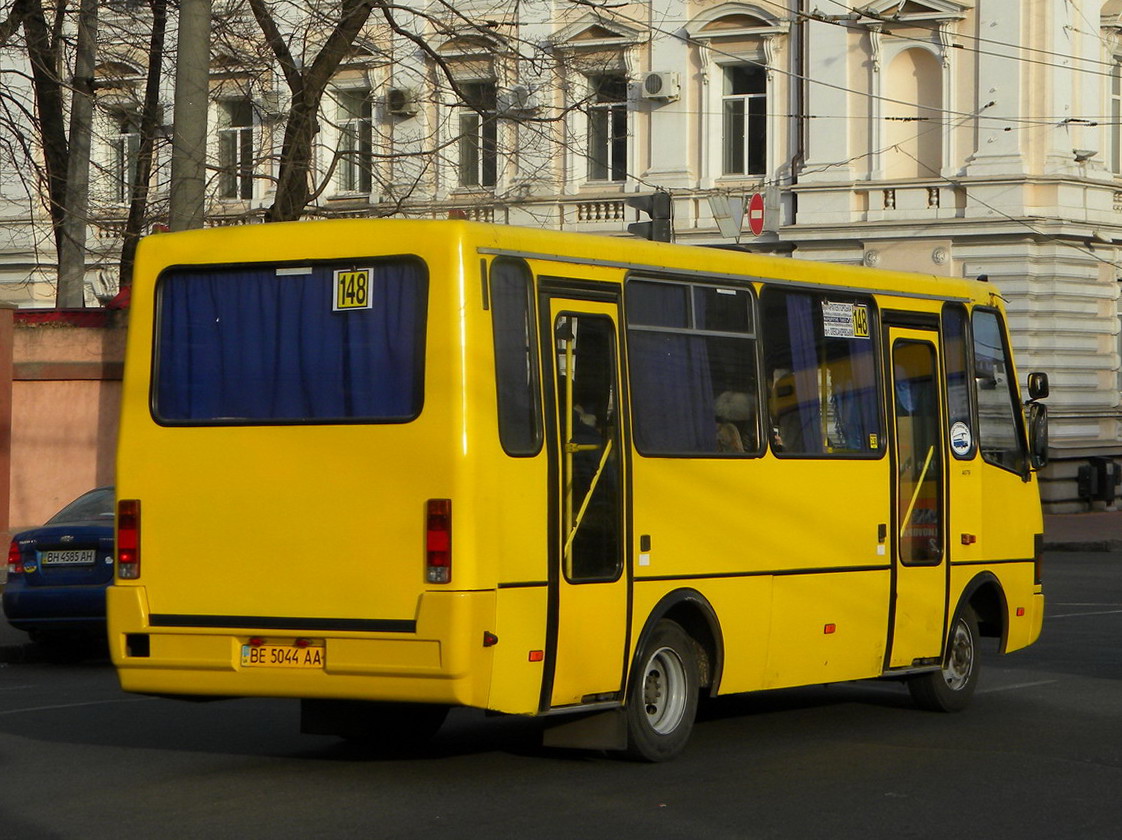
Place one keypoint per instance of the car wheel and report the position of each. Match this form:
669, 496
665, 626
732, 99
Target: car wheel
951, 688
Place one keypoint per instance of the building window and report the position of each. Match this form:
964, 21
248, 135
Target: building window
607, 129
744, 105
235, 150
355, 140
478, 143
125, 143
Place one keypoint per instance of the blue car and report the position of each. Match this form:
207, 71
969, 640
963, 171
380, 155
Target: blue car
57, 573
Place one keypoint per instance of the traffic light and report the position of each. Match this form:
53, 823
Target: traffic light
657, 206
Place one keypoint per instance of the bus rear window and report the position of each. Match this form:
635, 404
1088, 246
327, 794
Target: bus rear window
322, 342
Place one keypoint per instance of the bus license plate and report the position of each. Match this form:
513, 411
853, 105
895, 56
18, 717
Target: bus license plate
71, 557
282, 656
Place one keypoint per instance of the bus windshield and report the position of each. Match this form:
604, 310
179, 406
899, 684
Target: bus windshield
323, 342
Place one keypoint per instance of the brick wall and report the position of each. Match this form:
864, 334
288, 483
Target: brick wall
63, 386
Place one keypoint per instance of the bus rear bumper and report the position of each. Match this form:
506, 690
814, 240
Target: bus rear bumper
442, 661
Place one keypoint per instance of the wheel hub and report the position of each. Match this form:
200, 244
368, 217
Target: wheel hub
664, 690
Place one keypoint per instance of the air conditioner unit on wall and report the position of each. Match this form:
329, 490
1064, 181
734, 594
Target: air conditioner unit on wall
519, 99
661, 86
402, 102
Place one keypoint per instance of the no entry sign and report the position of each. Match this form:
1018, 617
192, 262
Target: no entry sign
756, 214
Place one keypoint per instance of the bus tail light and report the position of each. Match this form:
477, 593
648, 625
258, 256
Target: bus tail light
438, 541
15, 560
128, 539
1038, 559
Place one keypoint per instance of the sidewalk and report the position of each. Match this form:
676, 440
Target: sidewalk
1097, 531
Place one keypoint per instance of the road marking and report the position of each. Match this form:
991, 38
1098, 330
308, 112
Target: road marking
1016, 687
75, 705
1081, 614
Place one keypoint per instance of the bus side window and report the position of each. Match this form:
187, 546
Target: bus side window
820, 367
995, 389
693, 368
516, 363
959, 417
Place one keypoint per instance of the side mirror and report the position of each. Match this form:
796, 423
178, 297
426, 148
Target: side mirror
1037, 386
1038, 431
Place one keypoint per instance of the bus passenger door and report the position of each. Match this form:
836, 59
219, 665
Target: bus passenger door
588, 583
919, 531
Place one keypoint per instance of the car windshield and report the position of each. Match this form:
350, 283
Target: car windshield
91, 506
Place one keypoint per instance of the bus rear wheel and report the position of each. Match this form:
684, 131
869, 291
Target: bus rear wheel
951, 688
662, 698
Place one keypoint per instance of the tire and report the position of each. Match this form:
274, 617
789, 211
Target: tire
951, 688
662, 697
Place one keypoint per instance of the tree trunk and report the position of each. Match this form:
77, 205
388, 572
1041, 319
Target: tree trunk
307, 82
293, 187
149, 124
71, 292
43, 55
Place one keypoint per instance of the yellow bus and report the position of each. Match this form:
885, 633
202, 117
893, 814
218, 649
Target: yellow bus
390, 467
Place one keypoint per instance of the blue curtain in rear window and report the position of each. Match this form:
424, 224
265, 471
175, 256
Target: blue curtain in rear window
245, 344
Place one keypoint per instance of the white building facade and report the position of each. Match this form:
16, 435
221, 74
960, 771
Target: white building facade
953, 137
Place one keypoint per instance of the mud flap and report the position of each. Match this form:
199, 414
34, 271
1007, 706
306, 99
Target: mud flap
602, 730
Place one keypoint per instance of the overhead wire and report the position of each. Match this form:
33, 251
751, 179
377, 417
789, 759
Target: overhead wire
1017, 124
1107, 65
793, 75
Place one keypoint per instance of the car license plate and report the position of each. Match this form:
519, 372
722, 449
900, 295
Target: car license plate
282, 656
69, 557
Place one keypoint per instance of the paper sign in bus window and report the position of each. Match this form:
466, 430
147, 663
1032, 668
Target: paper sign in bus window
845, 320
353, 289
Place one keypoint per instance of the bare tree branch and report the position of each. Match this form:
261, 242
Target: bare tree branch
11, 24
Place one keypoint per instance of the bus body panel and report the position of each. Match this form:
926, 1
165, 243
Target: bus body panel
1007, 537
822, 635
316, 504
756, 513
519, 655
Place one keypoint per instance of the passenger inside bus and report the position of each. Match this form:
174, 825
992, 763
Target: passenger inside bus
736, 414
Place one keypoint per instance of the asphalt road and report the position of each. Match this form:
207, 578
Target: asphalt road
1038, 755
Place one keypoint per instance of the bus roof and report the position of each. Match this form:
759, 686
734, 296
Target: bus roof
342, 238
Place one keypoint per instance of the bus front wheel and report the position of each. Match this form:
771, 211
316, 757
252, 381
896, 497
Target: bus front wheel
662, 698
951, 688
